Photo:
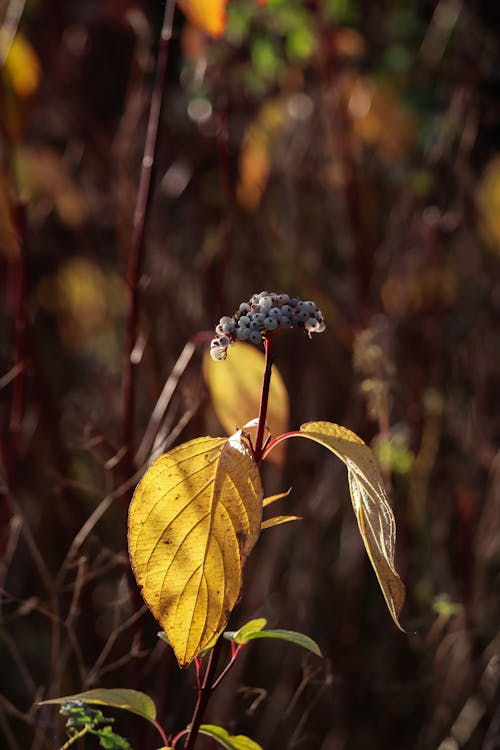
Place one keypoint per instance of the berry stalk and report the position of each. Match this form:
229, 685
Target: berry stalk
264, 398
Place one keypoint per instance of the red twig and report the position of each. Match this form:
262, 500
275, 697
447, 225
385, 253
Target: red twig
204, 694
264, 397
138, 233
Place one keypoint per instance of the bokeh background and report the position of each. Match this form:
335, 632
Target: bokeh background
345, 151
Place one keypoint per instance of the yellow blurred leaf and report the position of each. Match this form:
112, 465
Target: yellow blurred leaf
9, 237
45, 175
193, 520
488, 198
207, 15
371, 506
22, 67
254, 168
235, 387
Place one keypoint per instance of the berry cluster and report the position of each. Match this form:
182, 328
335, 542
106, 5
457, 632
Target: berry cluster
265, 313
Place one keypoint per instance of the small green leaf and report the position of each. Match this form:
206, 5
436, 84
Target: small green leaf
230, 742
255, 629
128, 700
252, 626
111, 741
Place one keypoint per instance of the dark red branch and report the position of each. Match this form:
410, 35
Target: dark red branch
138, 234
204, 694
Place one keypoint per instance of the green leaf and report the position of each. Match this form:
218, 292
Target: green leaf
370, 502
255, 629
230, 742
111, 741
193, 520
128, 700
252, 626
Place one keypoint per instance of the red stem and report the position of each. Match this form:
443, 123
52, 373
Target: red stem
204, 694
161, 733
264, 397
138, 232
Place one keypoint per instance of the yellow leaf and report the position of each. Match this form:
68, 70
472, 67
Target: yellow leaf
193, 520
207, 15
9, 236
235, 386
371, 505
273, 498
22, 67
278, 520
488, 199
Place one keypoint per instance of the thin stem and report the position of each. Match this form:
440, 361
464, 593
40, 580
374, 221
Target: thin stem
273, 443
138, 232
75, 737
161, 733
229, 666
264, 398
204, 694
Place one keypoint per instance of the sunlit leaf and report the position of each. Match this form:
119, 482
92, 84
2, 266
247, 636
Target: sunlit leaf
371, 506
128, 700
230, 742
252, 626
193, 520
278, 520
207, 15
256, 629
273, 498
235, 386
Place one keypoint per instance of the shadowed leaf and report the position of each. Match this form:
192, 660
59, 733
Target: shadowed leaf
193, 520
235, 387
128, 700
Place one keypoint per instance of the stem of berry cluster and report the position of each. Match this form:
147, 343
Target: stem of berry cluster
264, 398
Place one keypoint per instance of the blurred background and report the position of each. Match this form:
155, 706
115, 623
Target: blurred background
345, 151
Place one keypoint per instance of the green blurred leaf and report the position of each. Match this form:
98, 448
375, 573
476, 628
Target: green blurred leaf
345, 12
230, 742
443, 605
112, 741
128, 700
300, 44
265, 58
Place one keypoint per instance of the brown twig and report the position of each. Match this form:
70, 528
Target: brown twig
138, 234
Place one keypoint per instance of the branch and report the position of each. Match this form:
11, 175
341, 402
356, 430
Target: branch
138, 233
